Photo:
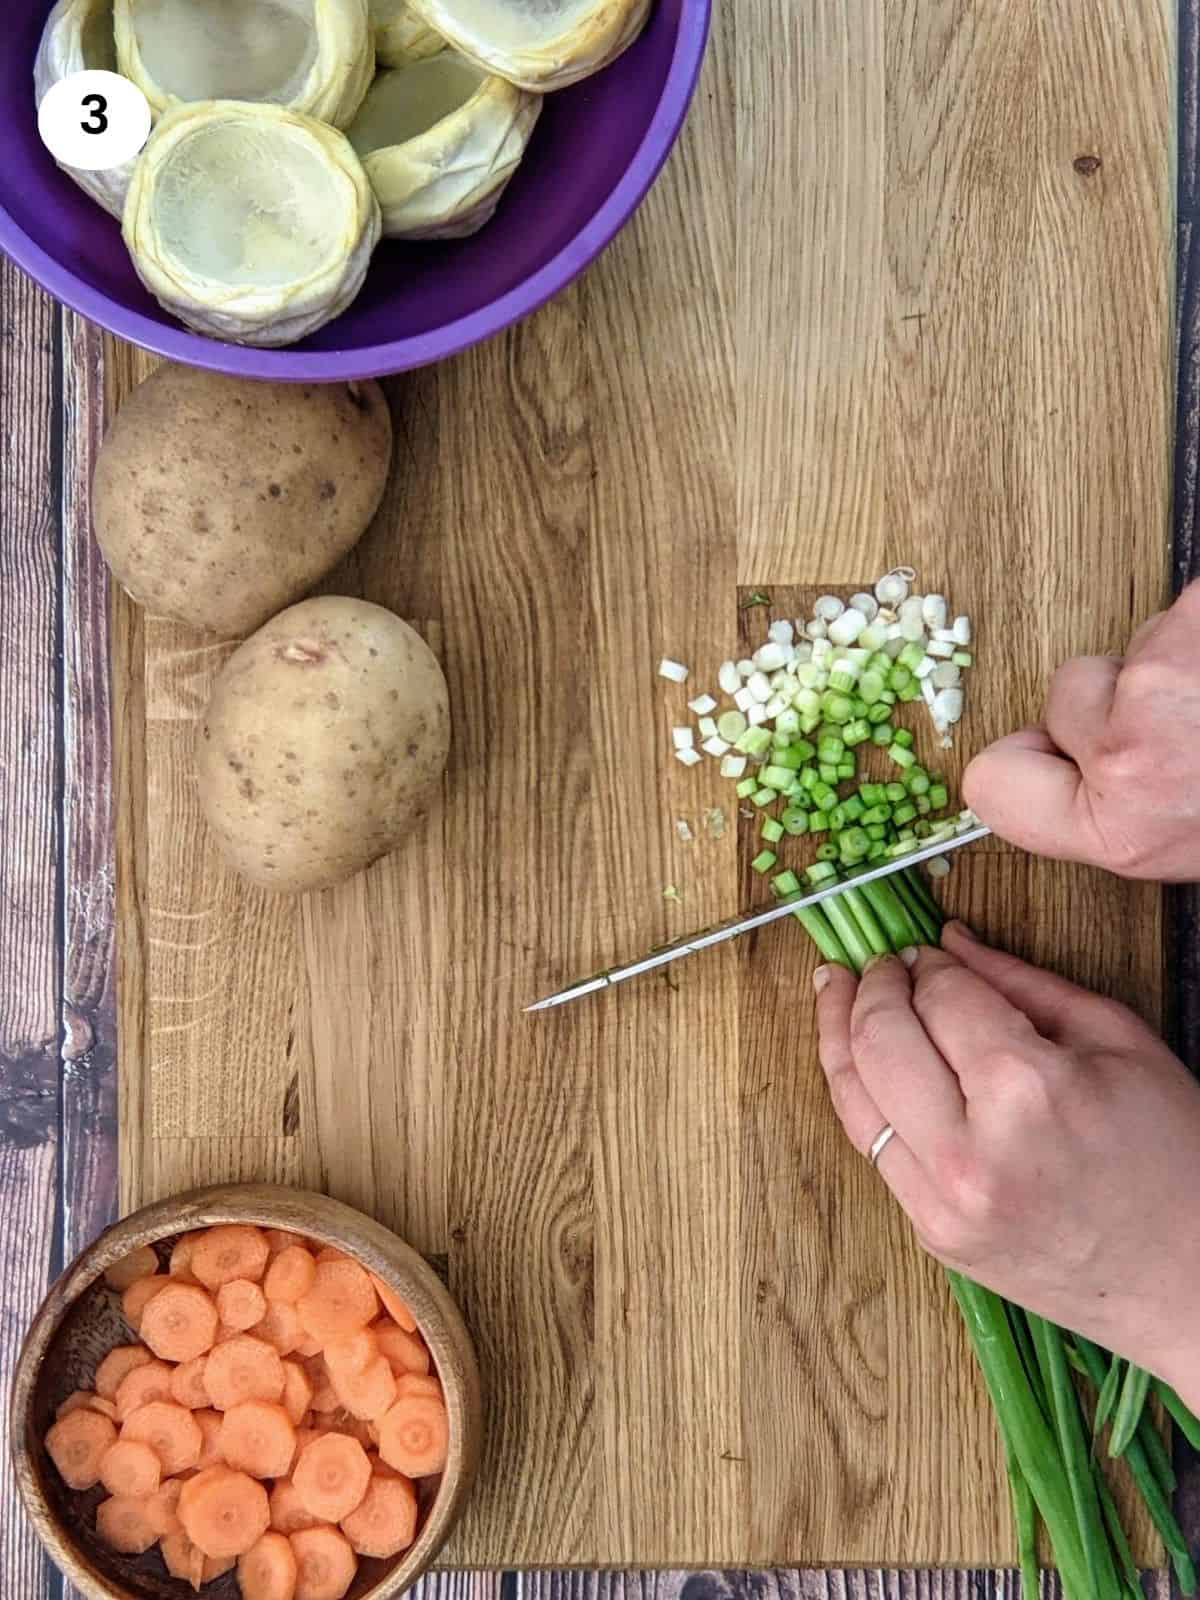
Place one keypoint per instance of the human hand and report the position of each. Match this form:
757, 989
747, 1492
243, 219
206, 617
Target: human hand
1113, 777
1047, 1142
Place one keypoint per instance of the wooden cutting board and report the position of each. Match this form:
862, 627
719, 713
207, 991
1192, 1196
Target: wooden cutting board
903, 294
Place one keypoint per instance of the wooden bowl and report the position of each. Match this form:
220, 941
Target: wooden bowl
80, 1320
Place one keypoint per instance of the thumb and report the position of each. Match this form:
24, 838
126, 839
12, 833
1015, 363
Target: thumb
1030, 794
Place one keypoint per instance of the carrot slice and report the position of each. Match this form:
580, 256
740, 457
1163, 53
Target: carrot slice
171, 1431
325, 1564
380, 1469
78, 1444
138, 1296
288, 1512
290, 1274
139, 1263
144, 1384
187, 1384
297, 1392
280, 1326
307, 1346
417, 1383
353, 1353
130, 1468
369, 1393
406, 1352
86, 1400
182, 1558
214, 1568
240, 1304
209, 1423
324, 1397
394, 1306
340, 1301
268, 1570
224, 1512
257, 1437
232, 1250
330, 1252
163, 1507
331, 1476
180, 1323
386, 1521
225, 1333
414, 1436
180, 1265
243, 1368
279, 1239
125, 1525
120, 1360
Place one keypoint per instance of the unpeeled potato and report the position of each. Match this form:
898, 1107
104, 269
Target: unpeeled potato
323, 743
218, 502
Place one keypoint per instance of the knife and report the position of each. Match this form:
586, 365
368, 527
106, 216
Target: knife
969, 831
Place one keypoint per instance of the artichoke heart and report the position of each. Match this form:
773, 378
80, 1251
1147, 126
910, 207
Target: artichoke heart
250, 222
538, 44
400, 35
78, 37
312, 56
440, 139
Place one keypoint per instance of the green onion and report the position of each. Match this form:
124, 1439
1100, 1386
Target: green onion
786, 883
900, 755
904, 737
1182, 1417
1134, 1389
818, 821
830, 750
846, 768
772, 831
939, 797
794, 820
763, 797
764, 861
746, 788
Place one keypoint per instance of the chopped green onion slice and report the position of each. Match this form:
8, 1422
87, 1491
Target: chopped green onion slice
764, 861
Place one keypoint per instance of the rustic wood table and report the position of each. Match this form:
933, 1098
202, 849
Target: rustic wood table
903, 290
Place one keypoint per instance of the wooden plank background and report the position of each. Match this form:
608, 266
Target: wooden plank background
56, 1072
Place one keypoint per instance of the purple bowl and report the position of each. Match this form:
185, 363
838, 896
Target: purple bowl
420, 303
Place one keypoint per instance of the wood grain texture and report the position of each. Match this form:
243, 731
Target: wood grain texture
924, 327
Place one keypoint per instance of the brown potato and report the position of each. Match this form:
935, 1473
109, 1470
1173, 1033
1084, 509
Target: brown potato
219, 502
323, 743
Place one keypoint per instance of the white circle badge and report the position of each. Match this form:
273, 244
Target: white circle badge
94, 120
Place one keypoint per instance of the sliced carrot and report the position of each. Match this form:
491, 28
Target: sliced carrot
288, 1512
414, 1436
139, 1263
187, 1384
297, 1392
380, 1469
224, 1512
244, 1368
214, 1568
386, 1521
324, 1397
78, 1444
180, 1265
180, 1323
279, 1239
163, 1507
125, 1525
225, 1333
353, 1353
406, 1352
144, 1384
120, 1360
340, 1301
257, 1437
86, 1400
138, 1296
331, 1476
417, 1383
182, 1559
268, 1570
240, 1303
290, 1274
330, 1252
307, 1346
394, 1306
209, 1423
232, 1250
171, 1431
369, 1393
280, 1326
325, 1564
130, 1468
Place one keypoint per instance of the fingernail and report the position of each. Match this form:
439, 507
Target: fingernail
821, 978
961, 931
909, 956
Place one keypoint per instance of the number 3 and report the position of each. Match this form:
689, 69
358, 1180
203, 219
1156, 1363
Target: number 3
97, 121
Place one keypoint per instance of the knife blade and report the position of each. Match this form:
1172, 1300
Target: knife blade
970, 832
